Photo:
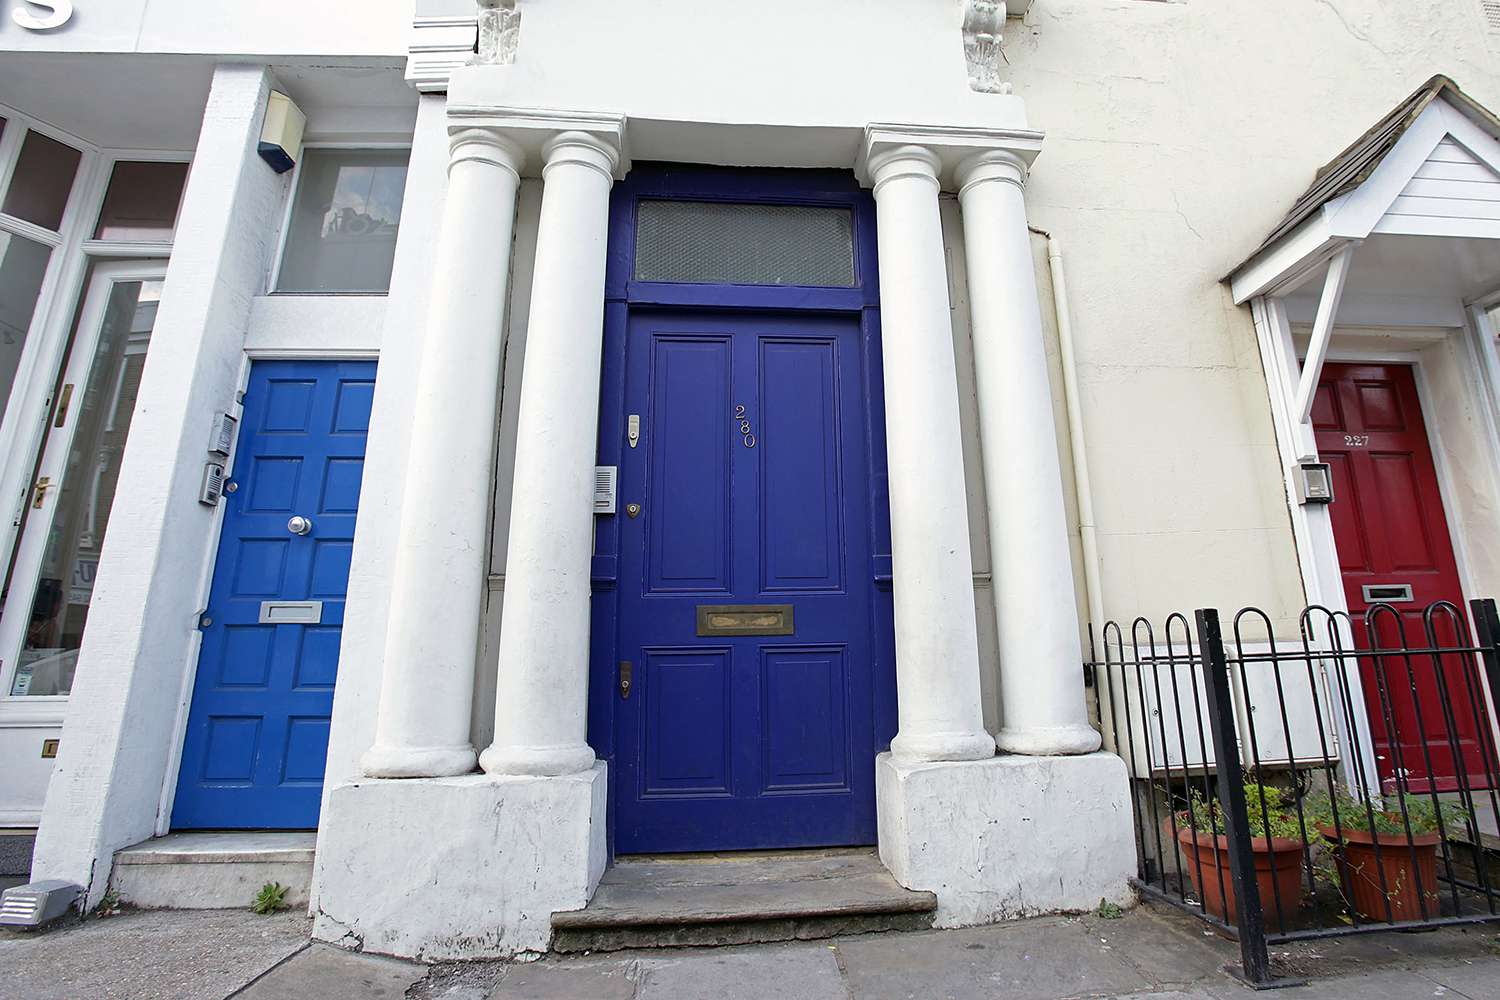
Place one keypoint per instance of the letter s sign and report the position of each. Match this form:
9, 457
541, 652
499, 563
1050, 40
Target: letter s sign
62, 13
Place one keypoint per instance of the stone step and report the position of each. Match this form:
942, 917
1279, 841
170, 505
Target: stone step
742, 898
213, 870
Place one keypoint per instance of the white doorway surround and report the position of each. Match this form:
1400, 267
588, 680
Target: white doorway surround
1392, 256
476, 863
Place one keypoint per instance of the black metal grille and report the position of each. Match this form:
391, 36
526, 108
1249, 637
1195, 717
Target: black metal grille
1338, 782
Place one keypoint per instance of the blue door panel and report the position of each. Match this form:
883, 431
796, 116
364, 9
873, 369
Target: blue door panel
257, 735
752, 475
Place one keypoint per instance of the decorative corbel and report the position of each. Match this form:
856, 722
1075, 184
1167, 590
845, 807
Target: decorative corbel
984, 26
499, 33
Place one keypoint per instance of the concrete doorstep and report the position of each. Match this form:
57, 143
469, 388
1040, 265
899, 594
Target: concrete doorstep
214, 954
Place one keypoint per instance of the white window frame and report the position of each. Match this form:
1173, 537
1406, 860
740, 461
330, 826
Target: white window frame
294, 189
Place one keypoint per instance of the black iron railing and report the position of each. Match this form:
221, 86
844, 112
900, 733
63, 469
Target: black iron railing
1341, 781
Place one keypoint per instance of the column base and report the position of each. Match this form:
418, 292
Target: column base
1053, 741
457, 868
1008, 837
943, 746
417, 762
537, 761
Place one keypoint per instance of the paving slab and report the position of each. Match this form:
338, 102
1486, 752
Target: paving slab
1028, 960
1166, 950
148, 955
1392, 984
567, 981
1477, 980
785, 972
330, 973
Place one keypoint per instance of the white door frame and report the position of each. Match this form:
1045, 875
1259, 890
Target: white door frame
52, 464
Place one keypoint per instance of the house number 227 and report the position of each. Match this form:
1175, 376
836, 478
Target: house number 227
747, 432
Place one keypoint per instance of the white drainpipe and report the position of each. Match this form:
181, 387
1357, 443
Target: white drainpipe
1086, 530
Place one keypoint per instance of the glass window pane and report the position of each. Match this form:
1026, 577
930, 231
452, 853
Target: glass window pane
23, 265
43, 179
726, 244
342, 236
60, 606
141, 203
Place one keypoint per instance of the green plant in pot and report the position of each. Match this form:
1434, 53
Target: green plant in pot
1386, 855
1275, 842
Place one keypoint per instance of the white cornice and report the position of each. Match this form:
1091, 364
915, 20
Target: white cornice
440, 45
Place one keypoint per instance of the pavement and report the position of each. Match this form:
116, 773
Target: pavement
1148, 953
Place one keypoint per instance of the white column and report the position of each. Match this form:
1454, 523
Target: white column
542, 689
937, 645
437, 591
1041, 680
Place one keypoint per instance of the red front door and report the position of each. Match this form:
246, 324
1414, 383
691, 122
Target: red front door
1392, 534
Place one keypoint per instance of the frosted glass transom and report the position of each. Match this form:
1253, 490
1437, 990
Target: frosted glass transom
724, 243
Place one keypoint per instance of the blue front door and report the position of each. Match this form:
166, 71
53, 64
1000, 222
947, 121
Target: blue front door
745, 594
257, 734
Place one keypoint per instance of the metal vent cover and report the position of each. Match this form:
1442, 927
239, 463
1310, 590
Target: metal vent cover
1491, 10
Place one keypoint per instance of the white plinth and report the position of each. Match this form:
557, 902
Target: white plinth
457, 868
1010, 836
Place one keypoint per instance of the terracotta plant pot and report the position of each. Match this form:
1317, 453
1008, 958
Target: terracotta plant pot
1361, 871
1278, 873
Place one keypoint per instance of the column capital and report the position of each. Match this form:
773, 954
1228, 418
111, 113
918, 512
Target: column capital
588, 149
991, 165
950, 146
487, 145
904, 161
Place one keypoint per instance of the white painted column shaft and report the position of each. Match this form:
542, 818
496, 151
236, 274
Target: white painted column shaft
1041, 679
542, 691
937, 646
437, 590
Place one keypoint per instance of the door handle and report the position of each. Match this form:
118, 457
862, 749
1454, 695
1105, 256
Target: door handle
626, 670
299, 525
39, 492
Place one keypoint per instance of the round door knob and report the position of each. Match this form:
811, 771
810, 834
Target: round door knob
299, 525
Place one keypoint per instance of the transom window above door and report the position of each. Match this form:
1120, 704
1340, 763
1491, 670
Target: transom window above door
729, 243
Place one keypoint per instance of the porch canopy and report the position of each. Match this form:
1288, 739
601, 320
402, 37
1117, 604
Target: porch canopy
1400, 232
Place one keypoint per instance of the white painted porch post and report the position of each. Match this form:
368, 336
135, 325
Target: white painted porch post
426, 694
937, 645
542, 691
1041, 680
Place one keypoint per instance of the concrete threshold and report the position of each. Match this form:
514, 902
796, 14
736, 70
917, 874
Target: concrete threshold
212, 870
696, 900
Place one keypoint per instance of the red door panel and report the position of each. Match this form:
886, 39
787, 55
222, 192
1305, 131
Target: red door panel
1390, 528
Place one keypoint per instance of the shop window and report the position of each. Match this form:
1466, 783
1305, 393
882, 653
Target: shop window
141, 203
722, 243
42, 181
342, 234
23, 266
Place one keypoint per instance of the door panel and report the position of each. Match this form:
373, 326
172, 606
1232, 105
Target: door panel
257, 734
751, 473
1390, 528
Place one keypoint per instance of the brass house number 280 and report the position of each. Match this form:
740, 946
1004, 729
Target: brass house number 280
747, 432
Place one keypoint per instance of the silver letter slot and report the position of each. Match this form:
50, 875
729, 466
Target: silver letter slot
291, 612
